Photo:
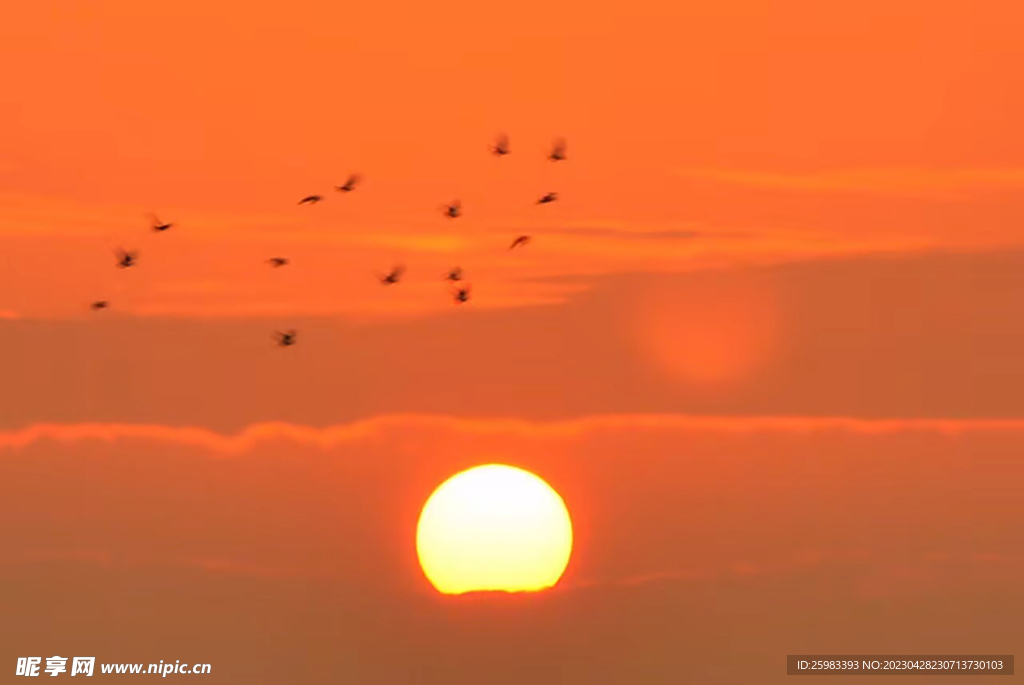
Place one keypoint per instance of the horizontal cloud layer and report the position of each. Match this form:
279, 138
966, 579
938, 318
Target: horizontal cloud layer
332, 437
932, 335
741, 538
912, 181
620, 473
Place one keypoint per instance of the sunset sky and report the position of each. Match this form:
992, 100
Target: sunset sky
767, 344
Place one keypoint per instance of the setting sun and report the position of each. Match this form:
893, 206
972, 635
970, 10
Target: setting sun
494, 527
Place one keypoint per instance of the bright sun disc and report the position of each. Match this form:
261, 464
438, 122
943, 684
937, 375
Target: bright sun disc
494, 527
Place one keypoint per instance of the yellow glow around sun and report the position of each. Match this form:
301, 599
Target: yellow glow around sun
494, 527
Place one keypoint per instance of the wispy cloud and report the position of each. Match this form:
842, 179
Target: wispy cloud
333, 436
214, 265
626, 234
899, 181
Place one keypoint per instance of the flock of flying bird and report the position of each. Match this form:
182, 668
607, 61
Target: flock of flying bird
453, 210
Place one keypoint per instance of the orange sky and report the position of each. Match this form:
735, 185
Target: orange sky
766, 343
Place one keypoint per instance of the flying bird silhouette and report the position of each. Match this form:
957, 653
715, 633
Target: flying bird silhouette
454, 275
461, 294
157, 224
310, 199
500, 147
454, 210
521, 240
277, 262
99, 304
286, 338
350, 184
557, 150
126, 258
393, 276
550, 197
